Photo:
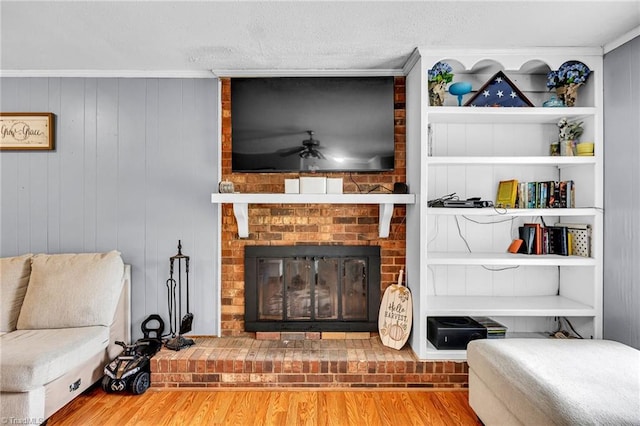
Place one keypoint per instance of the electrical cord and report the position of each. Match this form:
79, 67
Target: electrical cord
354, 181
379, 186
466, 243
510, 219
563, 334
435, 233
439, 202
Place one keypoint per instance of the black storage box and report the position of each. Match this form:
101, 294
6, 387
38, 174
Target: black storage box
454, 332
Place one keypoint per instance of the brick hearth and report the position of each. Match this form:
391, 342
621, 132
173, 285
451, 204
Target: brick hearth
249, 362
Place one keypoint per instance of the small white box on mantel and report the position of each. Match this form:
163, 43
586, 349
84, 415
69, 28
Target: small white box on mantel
313, 185
334, 185
291, 186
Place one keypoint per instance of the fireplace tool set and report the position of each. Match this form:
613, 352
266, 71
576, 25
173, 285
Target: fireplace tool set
174, 302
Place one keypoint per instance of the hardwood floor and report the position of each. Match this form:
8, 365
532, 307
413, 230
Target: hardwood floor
269, 407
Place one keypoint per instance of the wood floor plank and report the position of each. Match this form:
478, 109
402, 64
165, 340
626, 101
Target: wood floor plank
303, 409
367, 403
239, 407
411, 409
204, 409
393, 409
335, 407
428, 410
457, 407
278, 406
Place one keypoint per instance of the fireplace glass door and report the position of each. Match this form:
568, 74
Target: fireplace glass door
354, 289
303, 290
310, 289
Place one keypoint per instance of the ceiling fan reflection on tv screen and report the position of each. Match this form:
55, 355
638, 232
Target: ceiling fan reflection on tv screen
318, 124
310, 148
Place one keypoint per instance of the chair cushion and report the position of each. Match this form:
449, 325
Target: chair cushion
14, 277
72, 290
561, 381
33, 358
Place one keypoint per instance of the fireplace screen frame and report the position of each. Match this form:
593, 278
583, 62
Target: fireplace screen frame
255, 254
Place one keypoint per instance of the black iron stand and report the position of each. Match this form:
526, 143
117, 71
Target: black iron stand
178, 341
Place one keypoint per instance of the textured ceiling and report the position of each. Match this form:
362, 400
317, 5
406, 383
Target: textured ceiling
191, 37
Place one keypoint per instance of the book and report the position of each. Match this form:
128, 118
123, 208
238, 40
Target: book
537, 237
569, 243
572, 194
558, 240
507, 193
527, 235
567, 194
554, 194
541, 202
580, 234
515, 245
531, 195
523, 192
545, 240
545, 194
495, 330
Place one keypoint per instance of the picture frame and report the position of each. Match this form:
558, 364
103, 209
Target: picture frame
506, 196
27, 131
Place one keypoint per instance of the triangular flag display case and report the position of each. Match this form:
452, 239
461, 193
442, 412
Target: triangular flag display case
499, 91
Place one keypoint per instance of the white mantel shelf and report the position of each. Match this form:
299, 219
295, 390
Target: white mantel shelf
241, 204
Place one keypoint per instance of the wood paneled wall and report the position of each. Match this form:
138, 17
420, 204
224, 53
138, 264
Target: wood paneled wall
135, 163
622, 194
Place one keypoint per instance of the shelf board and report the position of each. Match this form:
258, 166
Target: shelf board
491, 211
241, 203
535, 115
515, 161
540, 306
461, 354
263, 198
506, 259
445, 354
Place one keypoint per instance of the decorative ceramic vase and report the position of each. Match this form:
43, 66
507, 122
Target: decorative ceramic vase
568, 148
437, 90
568, 93
460, 89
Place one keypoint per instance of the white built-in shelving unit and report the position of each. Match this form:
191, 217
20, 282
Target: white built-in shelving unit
457, 260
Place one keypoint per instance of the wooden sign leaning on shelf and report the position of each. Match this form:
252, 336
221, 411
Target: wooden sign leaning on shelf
395, 315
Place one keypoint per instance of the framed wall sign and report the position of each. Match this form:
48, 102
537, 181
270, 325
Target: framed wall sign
26, 131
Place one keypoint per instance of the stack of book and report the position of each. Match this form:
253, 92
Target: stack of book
495, 330
579, 236
565, 239
546, 195
536, 195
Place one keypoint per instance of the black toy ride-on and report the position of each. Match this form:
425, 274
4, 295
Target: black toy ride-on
131, 370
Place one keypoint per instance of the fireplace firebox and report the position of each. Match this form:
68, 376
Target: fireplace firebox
312, 288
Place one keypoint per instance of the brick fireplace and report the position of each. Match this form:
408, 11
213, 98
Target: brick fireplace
240, 360
306, 224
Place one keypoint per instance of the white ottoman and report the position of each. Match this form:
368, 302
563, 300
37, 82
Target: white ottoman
554, 382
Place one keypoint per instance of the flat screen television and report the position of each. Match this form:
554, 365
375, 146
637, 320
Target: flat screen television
319, 124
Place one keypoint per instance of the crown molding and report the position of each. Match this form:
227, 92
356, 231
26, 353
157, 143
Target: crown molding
411, 61
614, 44
392, 72
109, 73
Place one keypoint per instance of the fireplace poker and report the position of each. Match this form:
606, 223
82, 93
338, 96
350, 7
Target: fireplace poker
178, 341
